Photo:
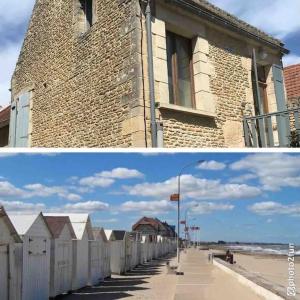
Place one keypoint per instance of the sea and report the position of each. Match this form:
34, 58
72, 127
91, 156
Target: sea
272, 249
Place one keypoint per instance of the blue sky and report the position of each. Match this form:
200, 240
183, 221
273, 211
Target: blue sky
244, 197
277, 17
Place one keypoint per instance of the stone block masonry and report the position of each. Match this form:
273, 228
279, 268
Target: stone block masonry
85, 85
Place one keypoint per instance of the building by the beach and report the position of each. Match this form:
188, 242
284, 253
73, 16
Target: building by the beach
179, 73
153, 226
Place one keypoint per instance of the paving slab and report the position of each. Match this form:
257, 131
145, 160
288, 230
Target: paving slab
204, 281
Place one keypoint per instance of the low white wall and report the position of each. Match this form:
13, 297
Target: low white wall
259, 290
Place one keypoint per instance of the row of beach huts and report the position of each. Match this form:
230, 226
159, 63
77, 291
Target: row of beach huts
45, 255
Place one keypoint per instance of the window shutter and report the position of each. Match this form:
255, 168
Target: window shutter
283, 120
12, 125
279, 87
22, 130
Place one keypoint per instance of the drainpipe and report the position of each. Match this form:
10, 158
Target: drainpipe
151, 74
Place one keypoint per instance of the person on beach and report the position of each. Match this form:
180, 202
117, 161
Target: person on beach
229, 257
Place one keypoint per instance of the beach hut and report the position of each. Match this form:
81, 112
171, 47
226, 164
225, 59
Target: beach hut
117, 240
34, 257
135, 238
82, 227
99, 235
10, 272
61, 255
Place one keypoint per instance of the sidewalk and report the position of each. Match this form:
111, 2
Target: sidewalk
204, 281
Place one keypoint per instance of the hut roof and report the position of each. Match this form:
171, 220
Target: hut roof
10, 225
56, 225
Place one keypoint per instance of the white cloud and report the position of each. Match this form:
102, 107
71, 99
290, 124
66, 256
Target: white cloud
85, 207
15, 12
274, 208
274, 170
282, 16
242, 178
8, 59
291, 59
162, 206
121, 173
107, 178
40, 190
22, 207
212, 165
95, 181
8, 189
195, 188
105, 221
208, 207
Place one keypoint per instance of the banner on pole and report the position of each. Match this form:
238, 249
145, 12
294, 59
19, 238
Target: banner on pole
174, 197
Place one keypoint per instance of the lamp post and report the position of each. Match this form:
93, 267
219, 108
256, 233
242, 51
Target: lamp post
178, 204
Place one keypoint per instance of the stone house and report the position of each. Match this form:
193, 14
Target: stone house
130, 73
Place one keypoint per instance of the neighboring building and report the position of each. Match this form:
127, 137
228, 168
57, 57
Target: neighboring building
292, 83
82, 76
4, 126
154, 226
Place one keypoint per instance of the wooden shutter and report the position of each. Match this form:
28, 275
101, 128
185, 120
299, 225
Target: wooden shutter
12, 125
22, 130
282, 120
279, 87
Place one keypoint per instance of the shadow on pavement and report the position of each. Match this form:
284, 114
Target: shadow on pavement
119, 287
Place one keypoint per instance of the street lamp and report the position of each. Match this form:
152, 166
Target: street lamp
177, 198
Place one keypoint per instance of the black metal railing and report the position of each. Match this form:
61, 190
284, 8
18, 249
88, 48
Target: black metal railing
279, 129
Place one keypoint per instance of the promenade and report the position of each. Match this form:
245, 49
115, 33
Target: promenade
204, 281
152, 281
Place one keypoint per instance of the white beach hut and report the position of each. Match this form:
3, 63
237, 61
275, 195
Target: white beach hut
61, 258
10, 272
117, 250
81, 224
95, 262
99, 235
35, 255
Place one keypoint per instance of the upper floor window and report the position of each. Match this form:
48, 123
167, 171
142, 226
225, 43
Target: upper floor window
262, 89
87, 15
180, 70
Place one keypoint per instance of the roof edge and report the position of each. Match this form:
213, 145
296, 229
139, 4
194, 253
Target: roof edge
197, 9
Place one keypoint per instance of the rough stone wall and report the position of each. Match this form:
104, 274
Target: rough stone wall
84, 86
228, 83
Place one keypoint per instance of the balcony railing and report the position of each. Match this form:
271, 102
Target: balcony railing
279, 129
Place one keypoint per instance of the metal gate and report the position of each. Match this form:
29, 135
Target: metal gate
64, 266
4, 269
279, 129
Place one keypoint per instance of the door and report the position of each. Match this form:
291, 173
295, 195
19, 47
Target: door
36, 271
4, 267
95, 262
64, 266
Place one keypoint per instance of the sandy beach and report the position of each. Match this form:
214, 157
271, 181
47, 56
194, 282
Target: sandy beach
273, 268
